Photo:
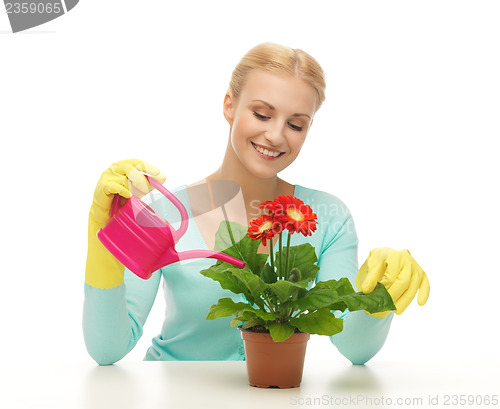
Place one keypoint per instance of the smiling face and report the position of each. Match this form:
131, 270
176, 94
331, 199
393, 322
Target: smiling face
270, 120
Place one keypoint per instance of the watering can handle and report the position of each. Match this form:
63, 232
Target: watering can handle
115, 205
177, 203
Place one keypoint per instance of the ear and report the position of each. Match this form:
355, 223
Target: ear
228, 107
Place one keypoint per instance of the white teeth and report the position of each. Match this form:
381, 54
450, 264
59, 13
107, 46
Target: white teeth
266, 152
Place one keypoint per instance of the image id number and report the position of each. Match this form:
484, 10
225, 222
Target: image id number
33, 8
469, 400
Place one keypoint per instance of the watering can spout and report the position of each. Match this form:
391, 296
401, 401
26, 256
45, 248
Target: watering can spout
184, 255
172, 256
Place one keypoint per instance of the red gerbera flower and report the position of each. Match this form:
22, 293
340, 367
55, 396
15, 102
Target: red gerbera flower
267, 205
294, 215
261, 228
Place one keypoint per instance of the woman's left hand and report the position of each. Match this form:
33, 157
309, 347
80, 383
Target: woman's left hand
399, 272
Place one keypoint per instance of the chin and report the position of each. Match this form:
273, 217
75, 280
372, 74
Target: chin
262, 170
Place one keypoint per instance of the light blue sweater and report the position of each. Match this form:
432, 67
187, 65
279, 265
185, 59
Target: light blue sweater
113, 319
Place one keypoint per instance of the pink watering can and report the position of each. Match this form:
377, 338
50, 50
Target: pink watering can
144, 242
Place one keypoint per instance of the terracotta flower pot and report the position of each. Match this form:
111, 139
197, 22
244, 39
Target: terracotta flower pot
276, 364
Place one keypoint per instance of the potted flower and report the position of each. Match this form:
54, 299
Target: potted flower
280, 307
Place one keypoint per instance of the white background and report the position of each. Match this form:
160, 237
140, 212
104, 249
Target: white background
405, 138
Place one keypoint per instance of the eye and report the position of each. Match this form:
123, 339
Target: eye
263, 118
260, 116
295, 127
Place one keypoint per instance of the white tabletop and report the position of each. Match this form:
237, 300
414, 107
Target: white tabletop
216, 384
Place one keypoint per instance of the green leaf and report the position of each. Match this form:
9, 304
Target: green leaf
268, 275
252, 322
325, 293
321, 322
244, 248
302, 257
280, 332
237, 281
254, 284
223, 240
284, 289
342, 286
247, 315
226, 307
267, 316
220, 273
377, 301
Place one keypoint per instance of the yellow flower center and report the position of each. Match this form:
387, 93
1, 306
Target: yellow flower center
266, 226
295, 215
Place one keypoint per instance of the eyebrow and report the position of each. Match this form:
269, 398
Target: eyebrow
273, 108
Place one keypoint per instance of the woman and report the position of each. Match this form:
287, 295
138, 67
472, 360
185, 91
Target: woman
274, 94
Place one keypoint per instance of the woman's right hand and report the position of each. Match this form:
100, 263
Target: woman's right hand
400, 274
125, 179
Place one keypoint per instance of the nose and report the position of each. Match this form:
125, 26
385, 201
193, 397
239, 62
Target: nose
275, 134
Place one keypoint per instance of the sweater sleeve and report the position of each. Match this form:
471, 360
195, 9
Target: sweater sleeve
113, 319
363, 335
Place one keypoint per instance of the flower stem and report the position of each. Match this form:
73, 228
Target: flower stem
287, 273
230, 232
281, 260
269, 304
271, 254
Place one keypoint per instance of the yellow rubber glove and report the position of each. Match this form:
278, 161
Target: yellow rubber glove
401, 275
103, 270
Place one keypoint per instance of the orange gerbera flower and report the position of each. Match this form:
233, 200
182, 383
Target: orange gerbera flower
293, 214
261, 228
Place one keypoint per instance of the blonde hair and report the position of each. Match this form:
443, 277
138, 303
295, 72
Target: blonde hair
283, 60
